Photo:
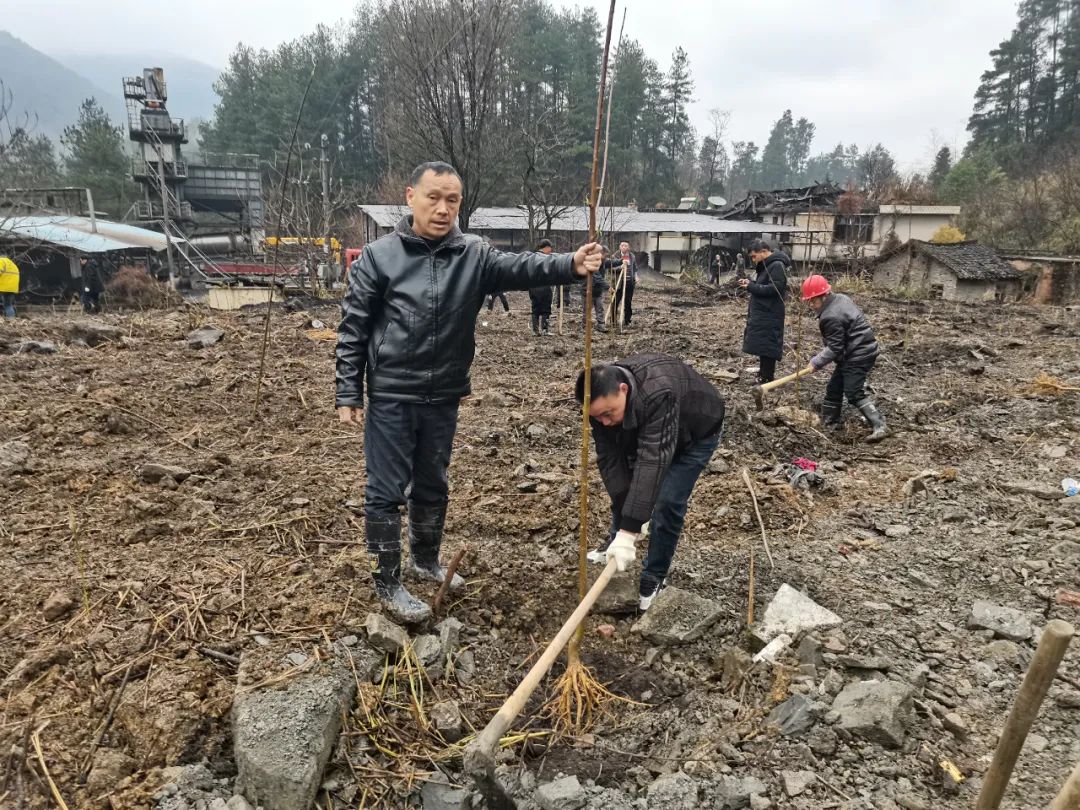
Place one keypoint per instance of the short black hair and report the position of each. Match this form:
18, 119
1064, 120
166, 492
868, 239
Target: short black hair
436, 166
543, 243
603, 382
758, 245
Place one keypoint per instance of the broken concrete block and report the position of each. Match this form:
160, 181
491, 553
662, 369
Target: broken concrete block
796, 782
794, 716
449, 635
439, 794
793, 612
283, 736
677, 617
60, 603
384, 635
562, 794
448, 720
876, 711
733, 793
1006, 622
620, 597
153, 472
204, 338
673, 791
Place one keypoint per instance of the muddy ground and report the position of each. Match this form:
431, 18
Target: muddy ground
119, 590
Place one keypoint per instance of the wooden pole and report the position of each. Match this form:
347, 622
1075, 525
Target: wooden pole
1069, 797
560, 307
1055, 639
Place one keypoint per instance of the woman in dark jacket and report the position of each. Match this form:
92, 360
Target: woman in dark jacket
764, 335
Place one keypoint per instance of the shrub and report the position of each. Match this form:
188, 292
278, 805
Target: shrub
947, 235
133, 287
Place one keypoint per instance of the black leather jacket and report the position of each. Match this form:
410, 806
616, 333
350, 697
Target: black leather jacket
409, 318
848, 336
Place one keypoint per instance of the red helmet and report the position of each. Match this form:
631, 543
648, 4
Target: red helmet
815, 286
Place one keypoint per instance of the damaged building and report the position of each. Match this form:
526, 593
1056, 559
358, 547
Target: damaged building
831, 224
963, 271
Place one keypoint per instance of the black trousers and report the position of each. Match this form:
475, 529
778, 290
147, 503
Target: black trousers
501, 297
628, 312
541, 301
766, 369
849, 380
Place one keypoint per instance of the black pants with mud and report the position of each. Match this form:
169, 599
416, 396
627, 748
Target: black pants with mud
849, 380
501, 297
766, 370
407, 454
628, 311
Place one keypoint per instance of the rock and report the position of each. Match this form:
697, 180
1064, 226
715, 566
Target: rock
955, 725
562, 794
822, 741
439, 794
448, 720
606, 630
152, 473
33, 347
283, 735
878, 662
238, 803
673, 791
428, 650
759, 802
734, 793
94, 334
897, 531
110, 767
13, 457
1065, 550
1036, 743
620, 597
911, 802
1002, 650
449, 635
1045, 492
204, 338
809, 652
384, 635
59, 603
794, 716
1068, 700
677, 617
535, 431
796, 782
737, 663
1006, 622
876, 711
465, 667
793, 612
218, 804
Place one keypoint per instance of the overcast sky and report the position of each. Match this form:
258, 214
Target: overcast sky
902, 72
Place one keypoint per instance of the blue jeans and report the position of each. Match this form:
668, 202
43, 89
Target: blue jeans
407, 453
670, 510
9, 304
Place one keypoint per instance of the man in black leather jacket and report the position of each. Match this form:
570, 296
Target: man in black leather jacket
407, 334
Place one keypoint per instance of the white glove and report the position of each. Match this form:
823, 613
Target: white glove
622, 550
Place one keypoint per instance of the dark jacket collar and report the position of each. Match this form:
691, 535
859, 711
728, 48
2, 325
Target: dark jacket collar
630, 415
454, 239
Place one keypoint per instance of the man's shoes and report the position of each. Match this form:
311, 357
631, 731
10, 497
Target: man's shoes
876, 420
601, 328
425, 539
399, 603
647, 592
534, 324
831, 414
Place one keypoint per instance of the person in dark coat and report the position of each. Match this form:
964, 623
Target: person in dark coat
625, 302
764, 335
851, 345
93, 283
541, 297
656, 423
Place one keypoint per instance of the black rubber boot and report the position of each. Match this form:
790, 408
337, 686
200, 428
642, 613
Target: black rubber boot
831, 414
876, 420
425, 539
384, 546
534, 322
544, 325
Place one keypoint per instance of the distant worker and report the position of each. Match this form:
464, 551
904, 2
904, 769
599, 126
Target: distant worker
626, 305
540, 297
93, 284
716, 267
850, 344
502, 297
764, 334
600, 290
738, 267
656, 423
9, 284
406, 336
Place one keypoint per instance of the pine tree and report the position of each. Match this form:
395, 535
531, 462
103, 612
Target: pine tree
942, 165
677, 95
27, 160
95, 158
774, 158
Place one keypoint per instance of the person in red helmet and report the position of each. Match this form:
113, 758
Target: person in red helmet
850, 344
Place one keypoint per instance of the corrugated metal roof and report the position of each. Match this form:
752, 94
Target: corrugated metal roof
611, 220
78, 233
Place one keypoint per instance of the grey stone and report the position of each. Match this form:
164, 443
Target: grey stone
911, 802
33, 347
536, 431
1006, 622
218, 804
110, 767
448, 720
1002, 650
13, 457
238, 803
60, 603
794, 716
204, 338
759, 802
878, 662
897, 531
673, 791
428, 650
955, 725
737, 662
796, 782
733, 793
620, 597
1036, 743
677, 617
465, 667
152, 473
439, 794
809, 652
384, 635
283, 737
94, 334
1065, 550
296, 659
876, 711
449, 635
562, 794
793, 612
1068, 700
